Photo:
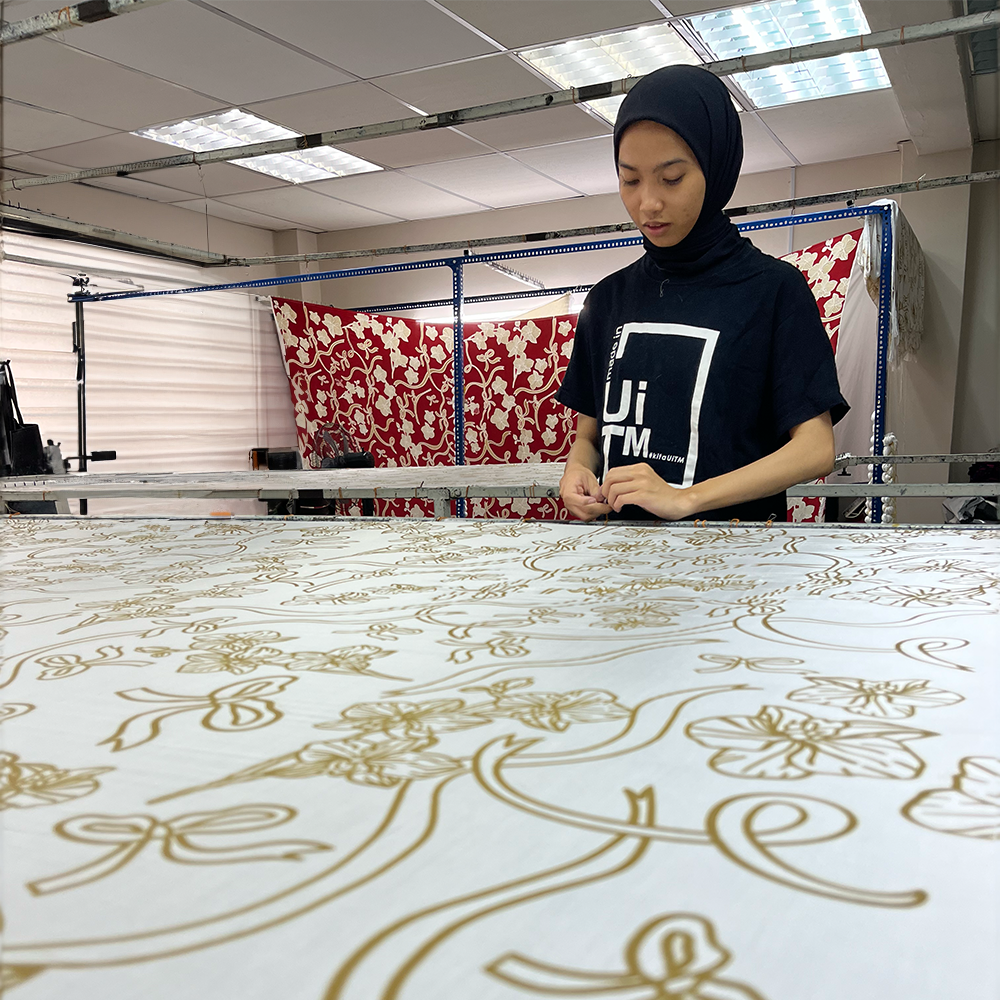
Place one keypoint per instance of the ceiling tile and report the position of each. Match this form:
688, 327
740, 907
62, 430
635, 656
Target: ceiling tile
107, 151
138, 188
463, 85
518, 23
199, 49
309, 210
586, 165
220, 210
33, 128
27, 164
687, 8
397, 194
367, 39
837, 128
46, 73
537, 128
495, 180
415, 148
213, 180
760, 151
334, 107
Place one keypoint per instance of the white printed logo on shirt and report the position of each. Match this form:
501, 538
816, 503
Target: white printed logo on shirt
653, 396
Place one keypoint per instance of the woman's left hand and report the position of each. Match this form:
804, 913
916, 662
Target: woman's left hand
640, 485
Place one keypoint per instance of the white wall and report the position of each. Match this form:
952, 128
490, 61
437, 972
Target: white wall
179, 383
977, 397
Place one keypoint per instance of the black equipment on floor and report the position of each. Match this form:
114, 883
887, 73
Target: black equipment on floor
21, 451
337, 450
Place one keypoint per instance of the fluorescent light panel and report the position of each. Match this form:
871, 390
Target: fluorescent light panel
238, 128
634, 52
785, 23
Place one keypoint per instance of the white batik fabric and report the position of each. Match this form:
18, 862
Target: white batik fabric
906, 314
419, 760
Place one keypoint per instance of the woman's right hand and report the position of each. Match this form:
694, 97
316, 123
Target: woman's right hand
580, 491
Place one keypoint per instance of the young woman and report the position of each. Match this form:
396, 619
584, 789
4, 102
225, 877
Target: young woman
702, 377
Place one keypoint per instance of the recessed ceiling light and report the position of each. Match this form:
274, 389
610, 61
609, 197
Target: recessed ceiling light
238, 128
785, 23
635, 52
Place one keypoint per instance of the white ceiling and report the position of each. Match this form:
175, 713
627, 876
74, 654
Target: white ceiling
71, 99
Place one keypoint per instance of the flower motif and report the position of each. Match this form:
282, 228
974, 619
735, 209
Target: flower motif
24, 785
237, 654
970, 808
648, 615
557, 712
879, 699
346, 660
920, 597
786, 743
369, 760
408, 718
143, 606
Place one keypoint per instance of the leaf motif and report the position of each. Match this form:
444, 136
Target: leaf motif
786, 743
951, 811
13, 709
979, 778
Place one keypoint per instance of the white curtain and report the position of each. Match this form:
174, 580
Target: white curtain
177, 383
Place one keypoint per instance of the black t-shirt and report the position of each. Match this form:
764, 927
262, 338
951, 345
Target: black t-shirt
698, 376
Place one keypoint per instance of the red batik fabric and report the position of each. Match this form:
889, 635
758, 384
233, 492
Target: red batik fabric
386, 381
512, 371
827, 267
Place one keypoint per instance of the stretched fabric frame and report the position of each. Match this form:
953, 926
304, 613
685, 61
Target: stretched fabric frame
388, 382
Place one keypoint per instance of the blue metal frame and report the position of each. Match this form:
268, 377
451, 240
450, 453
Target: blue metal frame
458, 265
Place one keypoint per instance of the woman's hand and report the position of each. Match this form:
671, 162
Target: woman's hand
640, 485
581, 493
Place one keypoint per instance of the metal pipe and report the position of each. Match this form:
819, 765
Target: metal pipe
959, 458
208, 258
11, 213
393, 307
538, 102
74, 16
458, 368
858, 194
882, 349
419, 265
81, 389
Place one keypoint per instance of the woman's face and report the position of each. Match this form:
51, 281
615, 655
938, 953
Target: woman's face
660, 182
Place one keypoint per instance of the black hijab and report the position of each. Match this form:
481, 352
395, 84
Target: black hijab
697, 106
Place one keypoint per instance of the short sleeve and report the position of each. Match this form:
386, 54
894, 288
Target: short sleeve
803, 370
577, 390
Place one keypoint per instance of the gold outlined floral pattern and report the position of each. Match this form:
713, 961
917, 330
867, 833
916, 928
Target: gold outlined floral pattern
493, 755
970, 808
24, 785
876, 699
786, 743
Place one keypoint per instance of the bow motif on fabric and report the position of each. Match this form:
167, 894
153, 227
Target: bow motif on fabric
673, 957
229, 709
129, 835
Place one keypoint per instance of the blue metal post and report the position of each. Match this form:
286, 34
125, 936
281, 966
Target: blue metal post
458, 367
882, 350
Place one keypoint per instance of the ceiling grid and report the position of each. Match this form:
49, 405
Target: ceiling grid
294, 66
